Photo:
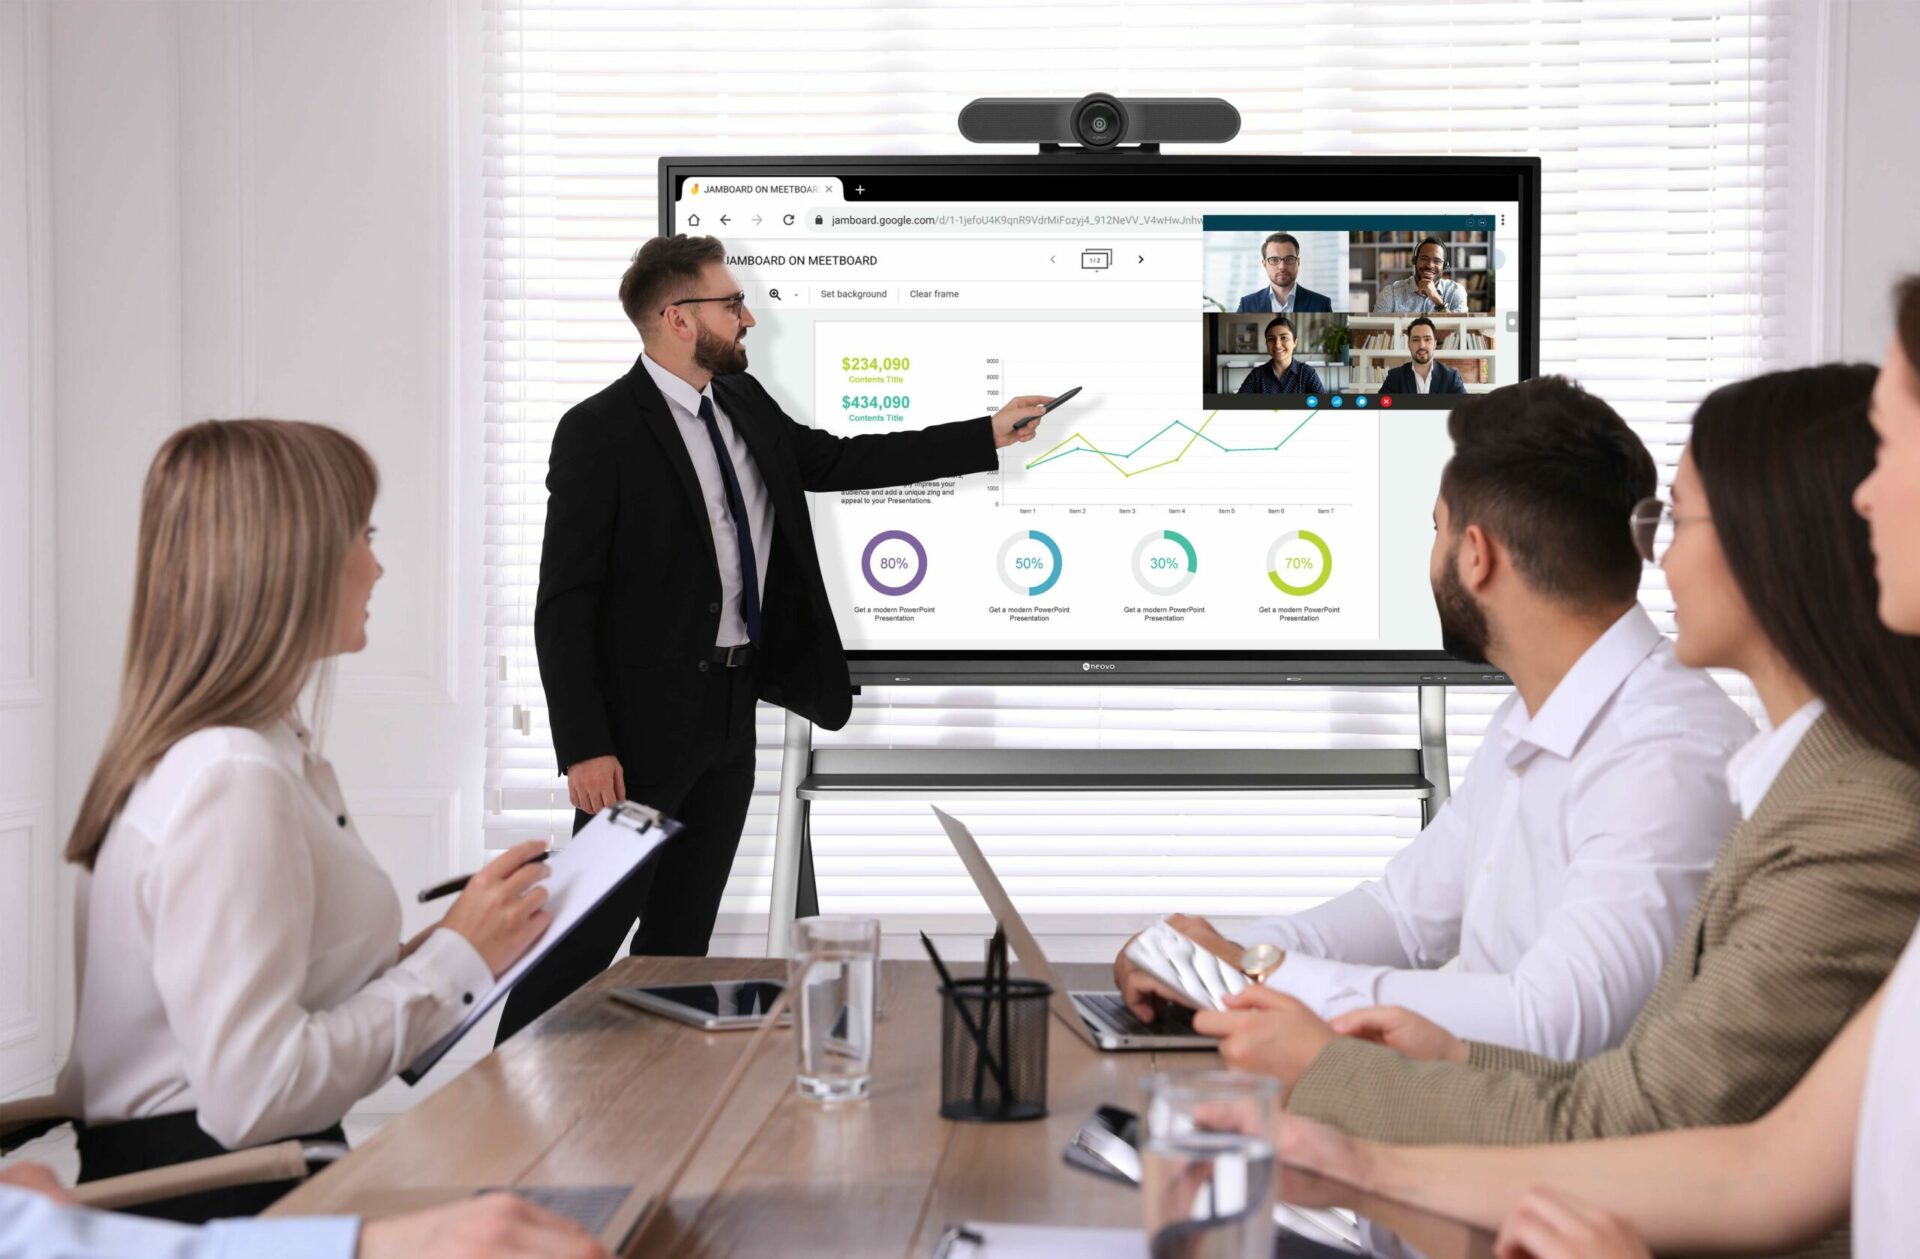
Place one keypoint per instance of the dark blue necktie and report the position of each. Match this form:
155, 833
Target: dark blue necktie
742, 535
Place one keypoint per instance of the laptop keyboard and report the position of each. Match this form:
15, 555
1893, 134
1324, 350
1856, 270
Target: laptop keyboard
1124, 1021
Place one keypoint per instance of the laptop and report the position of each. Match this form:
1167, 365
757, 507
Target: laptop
1099, 1018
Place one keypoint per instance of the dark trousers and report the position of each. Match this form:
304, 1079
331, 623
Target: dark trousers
140, 1145
676, 894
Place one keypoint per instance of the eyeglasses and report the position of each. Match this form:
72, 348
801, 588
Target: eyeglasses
736, 302
1653, 523
1279, 261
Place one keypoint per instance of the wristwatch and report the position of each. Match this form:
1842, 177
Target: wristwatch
1260, 961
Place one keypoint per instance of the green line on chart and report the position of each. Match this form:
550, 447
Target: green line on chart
1061, 451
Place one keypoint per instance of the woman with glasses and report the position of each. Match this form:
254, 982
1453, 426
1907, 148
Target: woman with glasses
1758, 537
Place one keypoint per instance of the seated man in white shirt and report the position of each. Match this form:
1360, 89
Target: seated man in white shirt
1558, 876
39, 1221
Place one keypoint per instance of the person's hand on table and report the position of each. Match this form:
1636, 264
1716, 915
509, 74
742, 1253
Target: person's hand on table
497, 1226
1549, 1224
1402, 1030
1268, 1032
1311, 1146
38, 1178
501, 912
1024, 407
595, 783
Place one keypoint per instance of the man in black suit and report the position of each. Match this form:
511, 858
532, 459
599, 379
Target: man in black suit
1280, 255
1424, 374
679, 584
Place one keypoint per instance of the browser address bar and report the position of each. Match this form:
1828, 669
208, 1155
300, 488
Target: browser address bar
841, 220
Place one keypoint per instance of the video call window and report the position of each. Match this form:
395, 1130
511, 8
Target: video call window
1295, 311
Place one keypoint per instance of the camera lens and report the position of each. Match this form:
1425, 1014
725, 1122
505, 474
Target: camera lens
1098, 123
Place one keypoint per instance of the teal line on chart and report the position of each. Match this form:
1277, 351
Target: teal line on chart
1232, 450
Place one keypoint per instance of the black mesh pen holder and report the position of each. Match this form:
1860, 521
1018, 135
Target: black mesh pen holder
1008, 1082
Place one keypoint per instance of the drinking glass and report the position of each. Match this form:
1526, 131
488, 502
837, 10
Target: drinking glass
1207, 1165
833, 1004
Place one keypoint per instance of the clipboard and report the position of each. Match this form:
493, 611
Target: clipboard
605, 854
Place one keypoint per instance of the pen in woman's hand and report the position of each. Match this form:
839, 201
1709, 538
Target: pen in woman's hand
450, 886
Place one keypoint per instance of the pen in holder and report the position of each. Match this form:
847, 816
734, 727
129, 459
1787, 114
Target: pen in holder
993, 1041
1007, 1081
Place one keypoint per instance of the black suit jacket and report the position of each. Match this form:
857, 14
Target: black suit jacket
629, 601
1445, 380
1305, 301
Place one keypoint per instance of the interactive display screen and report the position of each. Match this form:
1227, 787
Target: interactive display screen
1266, 352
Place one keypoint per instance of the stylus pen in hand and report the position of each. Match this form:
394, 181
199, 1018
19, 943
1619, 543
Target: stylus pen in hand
1046, 407
451, 886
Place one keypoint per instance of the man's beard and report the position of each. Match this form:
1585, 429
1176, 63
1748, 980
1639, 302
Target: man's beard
1463, 623
1420, 356
715, 354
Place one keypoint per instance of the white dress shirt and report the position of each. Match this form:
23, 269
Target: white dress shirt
1274, 300
1751, 772
34, 1227
1423, 380
1403, 297
683, 400
1558, 875
1886, 1149
238, 949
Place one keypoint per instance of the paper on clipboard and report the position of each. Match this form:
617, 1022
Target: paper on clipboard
599, 859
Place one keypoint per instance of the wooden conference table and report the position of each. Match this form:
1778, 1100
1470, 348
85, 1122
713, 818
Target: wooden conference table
600, 1093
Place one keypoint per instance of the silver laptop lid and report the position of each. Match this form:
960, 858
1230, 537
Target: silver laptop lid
1024, 945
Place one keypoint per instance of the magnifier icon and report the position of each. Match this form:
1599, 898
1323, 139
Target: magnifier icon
774, 294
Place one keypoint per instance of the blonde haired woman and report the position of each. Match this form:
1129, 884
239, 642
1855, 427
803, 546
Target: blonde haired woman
241, 973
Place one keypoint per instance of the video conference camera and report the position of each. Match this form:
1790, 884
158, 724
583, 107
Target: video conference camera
1099, 123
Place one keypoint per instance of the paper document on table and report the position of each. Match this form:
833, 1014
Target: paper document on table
597, 860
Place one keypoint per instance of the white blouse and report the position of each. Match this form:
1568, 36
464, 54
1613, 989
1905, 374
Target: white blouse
1886, 1152
238, 950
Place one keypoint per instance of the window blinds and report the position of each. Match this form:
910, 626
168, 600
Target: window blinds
1663, 129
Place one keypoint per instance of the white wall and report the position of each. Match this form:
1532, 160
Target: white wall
1879, 180
31, 939
254, 216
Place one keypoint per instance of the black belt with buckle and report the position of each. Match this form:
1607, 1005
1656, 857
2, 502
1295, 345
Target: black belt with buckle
735, 657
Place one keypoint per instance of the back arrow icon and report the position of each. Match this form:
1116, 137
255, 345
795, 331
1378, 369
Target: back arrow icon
724, 220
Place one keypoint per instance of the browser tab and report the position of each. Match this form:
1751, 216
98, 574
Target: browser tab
797, 186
